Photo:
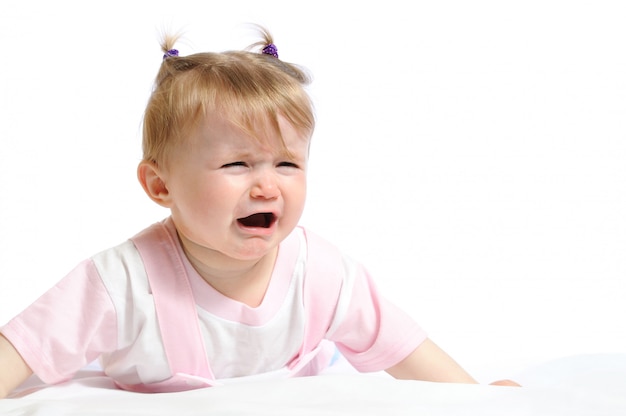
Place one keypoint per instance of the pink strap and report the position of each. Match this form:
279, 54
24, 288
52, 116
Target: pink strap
174, 302
321, 290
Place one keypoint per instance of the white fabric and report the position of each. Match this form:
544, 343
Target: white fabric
574, 386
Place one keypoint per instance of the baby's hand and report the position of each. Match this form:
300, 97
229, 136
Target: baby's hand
509, 383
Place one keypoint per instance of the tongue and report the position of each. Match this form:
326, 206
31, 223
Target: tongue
257, 220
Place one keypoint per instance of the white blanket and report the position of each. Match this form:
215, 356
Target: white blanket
585, 385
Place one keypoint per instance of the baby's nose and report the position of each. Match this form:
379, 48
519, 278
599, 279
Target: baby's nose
265, 186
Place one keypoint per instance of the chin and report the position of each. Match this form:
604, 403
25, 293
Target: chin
255, 251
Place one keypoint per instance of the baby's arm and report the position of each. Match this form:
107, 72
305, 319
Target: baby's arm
13, 368
428, 362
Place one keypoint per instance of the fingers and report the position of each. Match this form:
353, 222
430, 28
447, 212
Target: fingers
509, 383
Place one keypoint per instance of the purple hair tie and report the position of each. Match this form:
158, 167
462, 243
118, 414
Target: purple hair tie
270, 49
170, 53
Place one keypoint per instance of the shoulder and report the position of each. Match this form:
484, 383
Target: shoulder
123, 263
316, 244
155, 234
319, 248
327, 266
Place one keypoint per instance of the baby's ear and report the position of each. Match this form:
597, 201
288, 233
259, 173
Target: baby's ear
151, 179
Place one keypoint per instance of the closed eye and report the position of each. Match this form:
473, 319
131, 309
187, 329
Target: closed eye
234, 164
288, 165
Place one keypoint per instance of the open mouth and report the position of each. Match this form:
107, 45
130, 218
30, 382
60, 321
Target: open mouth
260, 220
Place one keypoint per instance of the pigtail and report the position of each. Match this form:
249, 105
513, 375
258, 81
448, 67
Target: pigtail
266, 39
167, 44
172, 63
267, 47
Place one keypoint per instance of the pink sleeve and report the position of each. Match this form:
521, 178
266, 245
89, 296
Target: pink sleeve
374, 334
67, 327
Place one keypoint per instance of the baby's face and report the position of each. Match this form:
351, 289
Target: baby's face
234, 195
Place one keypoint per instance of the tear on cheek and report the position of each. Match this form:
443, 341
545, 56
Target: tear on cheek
259, 220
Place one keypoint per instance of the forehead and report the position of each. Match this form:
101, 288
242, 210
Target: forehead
265, 133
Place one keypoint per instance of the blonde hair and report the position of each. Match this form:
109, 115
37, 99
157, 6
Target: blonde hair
248, 88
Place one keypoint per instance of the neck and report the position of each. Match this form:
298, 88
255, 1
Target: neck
245, 281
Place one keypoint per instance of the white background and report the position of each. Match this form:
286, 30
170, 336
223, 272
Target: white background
471, 153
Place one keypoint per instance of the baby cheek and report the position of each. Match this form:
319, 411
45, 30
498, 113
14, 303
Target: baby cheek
299, 199
298, 187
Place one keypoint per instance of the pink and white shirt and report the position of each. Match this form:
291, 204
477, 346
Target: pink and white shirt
156, 325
